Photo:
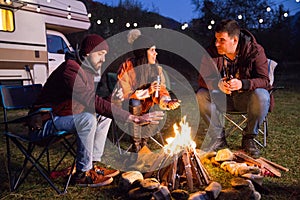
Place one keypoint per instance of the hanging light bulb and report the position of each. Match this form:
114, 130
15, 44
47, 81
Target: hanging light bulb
268, 9
69, 8
260, 21
38, 9
127, 24
111, 20
240, 16
99, 21
69, 16
89, 15
48, 1
285, 14
135, 24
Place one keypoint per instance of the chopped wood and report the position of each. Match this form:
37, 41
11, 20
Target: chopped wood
269, 167
247, 158
274, 164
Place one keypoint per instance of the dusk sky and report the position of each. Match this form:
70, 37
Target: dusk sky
183, 10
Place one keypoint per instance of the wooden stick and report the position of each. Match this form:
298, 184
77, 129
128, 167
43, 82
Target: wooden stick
247, 158
202, 169
274, 164
269, 167
188, 170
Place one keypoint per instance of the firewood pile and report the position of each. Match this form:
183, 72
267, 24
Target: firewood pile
184, 168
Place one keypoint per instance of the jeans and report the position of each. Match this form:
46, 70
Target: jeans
213, 104
91, 130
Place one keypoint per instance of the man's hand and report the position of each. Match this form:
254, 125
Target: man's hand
149, 118
224, 86
235, 84
228, 86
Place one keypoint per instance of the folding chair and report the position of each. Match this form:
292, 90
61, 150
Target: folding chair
237, 120
112, 80
33, 149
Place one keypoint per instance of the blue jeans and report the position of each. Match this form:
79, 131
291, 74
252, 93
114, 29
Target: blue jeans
213, 104
91, 130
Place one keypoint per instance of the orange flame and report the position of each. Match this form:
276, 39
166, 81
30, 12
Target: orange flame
182, 139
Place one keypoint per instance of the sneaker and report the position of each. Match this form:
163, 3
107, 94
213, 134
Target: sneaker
249, 146
91, 179
106, 172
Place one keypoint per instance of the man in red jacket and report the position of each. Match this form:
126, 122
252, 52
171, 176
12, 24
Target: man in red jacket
70, 92
239, 83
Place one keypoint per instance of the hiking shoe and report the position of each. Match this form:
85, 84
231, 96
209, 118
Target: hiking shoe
249, 146
106, 172
216, 144
91, 179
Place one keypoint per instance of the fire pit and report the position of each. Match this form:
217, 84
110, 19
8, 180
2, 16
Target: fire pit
179, 164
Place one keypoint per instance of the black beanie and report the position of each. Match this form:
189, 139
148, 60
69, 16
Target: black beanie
141, 45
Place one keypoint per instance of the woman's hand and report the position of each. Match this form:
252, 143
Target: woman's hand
154, 87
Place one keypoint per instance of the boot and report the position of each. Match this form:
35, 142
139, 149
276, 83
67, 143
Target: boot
144, 142
249, 146
218, 143
135, 108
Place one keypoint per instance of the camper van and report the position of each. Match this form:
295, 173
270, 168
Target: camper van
32, 37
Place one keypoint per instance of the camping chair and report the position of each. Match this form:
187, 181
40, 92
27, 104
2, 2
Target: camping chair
117, 136
237, 120
21, 98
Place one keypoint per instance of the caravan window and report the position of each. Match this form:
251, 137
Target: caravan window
6, 20
56, 44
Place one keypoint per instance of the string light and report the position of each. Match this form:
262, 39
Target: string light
240, 17
111, 21
69, 8
48, 1
212, 21
285, 14
135, 24
157, 26
38, 9
69, 16
260, 21
89, 15
268, 9
209, 27
98, 21
127, 24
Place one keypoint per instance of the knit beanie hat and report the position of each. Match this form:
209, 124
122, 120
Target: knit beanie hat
141, 45
92, 43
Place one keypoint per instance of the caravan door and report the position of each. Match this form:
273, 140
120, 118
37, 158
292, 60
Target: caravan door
57, 46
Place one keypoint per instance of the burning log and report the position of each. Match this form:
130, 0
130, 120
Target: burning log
180, 161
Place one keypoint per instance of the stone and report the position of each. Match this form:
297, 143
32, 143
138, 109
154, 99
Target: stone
180, 194
139, 193
213, 189
224, 155
201, 195
128, 178
254, 177
150, 183
162, 193
239, 182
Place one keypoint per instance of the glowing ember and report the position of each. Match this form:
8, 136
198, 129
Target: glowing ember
182, 139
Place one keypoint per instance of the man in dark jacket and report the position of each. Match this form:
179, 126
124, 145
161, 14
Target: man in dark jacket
70, 92
239, 82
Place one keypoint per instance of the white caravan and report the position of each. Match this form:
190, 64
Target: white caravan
32, 41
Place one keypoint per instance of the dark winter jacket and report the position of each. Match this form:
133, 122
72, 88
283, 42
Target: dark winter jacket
70, 90
252, 65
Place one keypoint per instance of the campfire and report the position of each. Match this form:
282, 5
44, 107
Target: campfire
179, 163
